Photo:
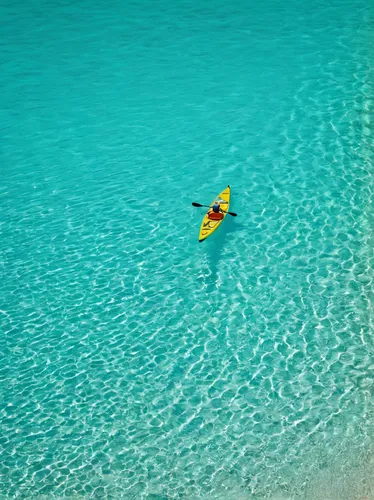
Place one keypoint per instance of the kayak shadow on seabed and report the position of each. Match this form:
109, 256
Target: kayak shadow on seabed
214, 247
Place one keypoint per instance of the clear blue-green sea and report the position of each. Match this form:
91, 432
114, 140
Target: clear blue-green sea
136, 362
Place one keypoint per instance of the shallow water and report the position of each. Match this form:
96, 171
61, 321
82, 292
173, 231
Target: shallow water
136, 362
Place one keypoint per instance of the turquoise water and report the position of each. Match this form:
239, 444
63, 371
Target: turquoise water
136, 362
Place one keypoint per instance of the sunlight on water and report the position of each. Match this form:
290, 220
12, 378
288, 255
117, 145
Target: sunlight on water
136, 362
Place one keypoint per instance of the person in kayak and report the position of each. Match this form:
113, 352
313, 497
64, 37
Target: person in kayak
216, 213
217, 208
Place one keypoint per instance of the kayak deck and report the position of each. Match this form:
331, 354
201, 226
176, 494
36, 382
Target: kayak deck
208, 226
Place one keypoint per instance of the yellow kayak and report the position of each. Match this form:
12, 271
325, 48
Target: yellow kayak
208, 226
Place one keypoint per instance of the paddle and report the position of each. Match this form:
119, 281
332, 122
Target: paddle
208, 206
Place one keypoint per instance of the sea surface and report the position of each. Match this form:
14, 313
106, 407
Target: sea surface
135, 362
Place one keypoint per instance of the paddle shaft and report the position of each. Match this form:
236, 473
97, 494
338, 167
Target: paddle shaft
208, 206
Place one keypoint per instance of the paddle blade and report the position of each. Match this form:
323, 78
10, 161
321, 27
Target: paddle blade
196, 204
233, 214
